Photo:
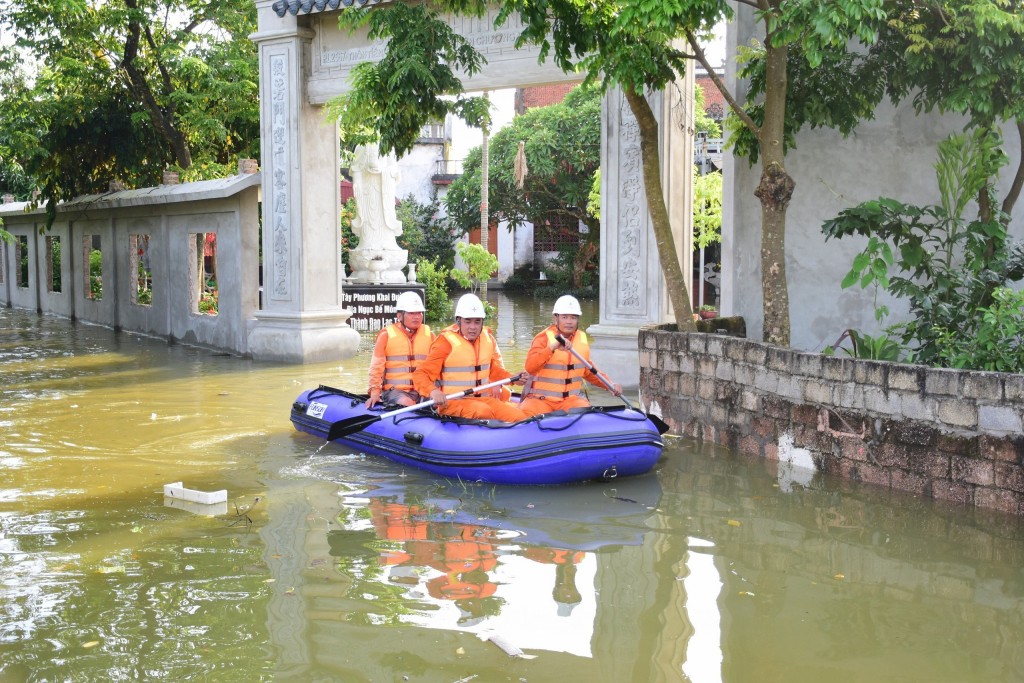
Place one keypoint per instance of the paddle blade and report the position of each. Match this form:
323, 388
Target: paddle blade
350, 426
658, 423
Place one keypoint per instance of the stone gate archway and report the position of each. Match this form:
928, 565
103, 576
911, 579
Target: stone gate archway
305, 60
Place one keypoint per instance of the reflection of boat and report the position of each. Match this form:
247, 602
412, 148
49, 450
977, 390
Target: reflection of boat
598, 443
586, 518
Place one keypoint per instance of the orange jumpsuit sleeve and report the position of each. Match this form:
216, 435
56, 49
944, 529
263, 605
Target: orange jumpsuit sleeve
377, 361
430, 369
539, 354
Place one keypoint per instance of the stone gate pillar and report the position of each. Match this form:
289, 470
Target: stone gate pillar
633, 292
301, 318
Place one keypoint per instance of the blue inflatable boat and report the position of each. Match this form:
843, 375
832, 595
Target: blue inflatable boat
603, 442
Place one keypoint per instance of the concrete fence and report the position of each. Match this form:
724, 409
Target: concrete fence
179, 262
946, 434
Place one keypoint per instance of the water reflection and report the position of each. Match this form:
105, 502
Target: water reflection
351, 569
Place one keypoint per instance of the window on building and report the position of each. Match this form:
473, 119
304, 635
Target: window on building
138, 263
21, 260
559, 232
92, 254
203, 273
53, 261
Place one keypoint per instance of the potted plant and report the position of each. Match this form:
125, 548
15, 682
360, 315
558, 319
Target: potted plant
707, 311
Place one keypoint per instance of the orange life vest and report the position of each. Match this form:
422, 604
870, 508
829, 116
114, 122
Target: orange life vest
468, 364
562, 376
402, 355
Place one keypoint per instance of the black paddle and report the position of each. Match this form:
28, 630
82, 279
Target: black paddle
658, 423
360, 422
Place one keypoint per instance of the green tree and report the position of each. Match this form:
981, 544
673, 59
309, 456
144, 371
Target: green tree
707, 209
800, 74
124, 89
426, 236
561, 145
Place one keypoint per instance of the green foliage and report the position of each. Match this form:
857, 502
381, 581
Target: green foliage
867, 347
435, 278
421, 71
424, 235
707, 209
480, 266
349, 240
105, 91
997, 340
702, 123
947, 267
96, 274
562, 145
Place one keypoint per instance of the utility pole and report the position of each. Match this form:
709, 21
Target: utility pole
484, 190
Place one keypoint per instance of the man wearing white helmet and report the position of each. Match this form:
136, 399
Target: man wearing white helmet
466, 355
556, 375
398, 351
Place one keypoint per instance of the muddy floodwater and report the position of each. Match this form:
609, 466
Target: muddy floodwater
327, 565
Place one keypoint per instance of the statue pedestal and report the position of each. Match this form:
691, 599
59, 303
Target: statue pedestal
373, 306
379, 266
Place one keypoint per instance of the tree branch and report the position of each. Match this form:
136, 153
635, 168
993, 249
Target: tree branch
1018, 180
733, 104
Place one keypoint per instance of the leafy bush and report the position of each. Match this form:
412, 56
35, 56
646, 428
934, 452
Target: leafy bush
997, 341
480, 265
427, 237
435, 278
947, 267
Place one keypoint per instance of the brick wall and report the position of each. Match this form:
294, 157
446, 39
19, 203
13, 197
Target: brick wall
947, 434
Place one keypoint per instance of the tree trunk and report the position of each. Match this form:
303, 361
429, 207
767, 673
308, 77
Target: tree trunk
775, 192
678, 292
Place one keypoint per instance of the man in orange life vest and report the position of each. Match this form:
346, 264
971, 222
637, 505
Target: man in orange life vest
399, 349
466, 355
556, 376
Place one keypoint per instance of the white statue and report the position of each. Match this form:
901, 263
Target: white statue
373, 183
378, 258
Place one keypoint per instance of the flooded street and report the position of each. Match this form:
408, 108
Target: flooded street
326, 565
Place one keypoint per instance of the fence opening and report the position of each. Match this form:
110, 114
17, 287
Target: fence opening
142, 292
203, 273
21, 258
92, 253
53, 261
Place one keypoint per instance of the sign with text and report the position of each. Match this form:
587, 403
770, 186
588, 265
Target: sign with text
373, 306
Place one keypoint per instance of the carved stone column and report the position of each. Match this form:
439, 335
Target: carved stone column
301, 318
633, 292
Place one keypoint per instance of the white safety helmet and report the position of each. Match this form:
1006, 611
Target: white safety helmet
409, 302
567, 305
470, 306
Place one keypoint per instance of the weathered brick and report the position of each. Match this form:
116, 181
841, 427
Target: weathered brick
1013, 388
706, 366
906, 378
771, 451
986, 386
724, 371
852, 448
743, 374
935, 465
1009, 476
750, 401
953, 492
882, 402
816, 391
956, 444
756, 354
912, 432
873, 474
942, 381
776, 407
892, 455
917, 407
780, 359
1005, 448
998, 499
804, 414
999, 419
871, 372
911, 482
972, 470
958, 413
764, 428
837, 369
808, 364
750, 446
